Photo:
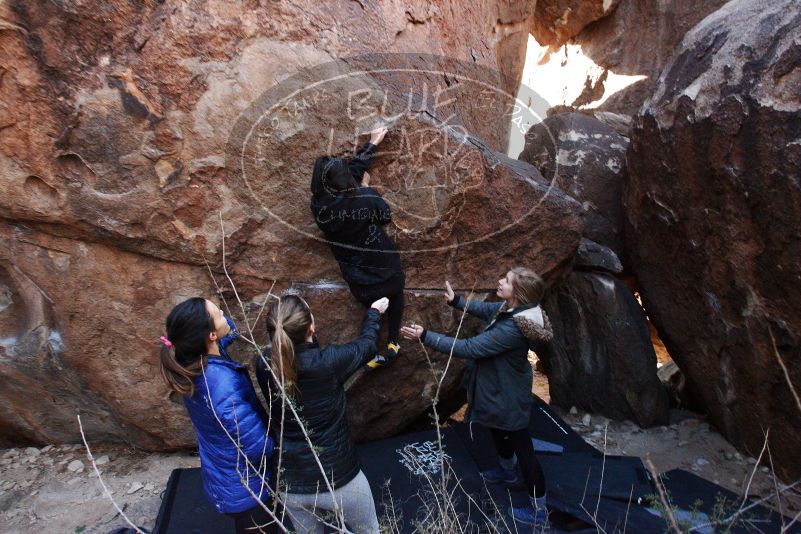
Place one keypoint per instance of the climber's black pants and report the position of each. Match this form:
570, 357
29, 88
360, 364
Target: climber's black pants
393, 290
518, 442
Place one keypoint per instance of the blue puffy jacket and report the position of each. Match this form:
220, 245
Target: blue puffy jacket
231, 426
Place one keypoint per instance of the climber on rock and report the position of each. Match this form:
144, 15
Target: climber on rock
499, 377
296, 369
231, 424
352, 216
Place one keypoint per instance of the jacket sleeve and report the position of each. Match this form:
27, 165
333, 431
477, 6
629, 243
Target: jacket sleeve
486, 345
359, 163
482, 310
348, 358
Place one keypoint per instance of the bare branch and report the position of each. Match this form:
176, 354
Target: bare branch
100, 479
786, 372
662, 495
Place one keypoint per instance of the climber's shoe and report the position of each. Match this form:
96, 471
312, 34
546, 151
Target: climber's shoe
392, 351
379, 360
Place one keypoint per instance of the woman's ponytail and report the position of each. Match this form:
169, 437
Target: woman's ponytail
178, 377
288, 324
183, 352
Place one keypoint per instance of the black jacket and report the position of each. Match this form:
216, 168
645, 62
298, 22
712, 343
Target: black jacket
354, 226
321, 404
499, 376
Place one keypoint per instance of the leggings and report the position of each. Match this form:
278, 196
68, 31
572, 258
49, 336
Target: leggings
355, 499
393, 289
509, 442
255, 520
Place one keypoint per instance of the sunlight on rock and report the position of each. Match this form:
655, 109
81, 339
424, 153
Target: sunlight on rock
561, 77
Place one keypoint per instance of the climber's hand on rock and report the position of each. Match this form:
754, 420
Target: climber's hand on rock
413, 331
449, 294
366, 179
380, 305
377, 135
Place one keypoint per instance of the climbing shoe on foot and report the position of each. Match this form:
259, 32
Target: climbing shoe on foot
392, 351
380, 360
377, 361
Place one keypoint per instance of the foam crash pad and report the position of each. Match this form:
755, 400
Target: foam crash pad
546, 425
408, 468
586, 491
186, 509
690, 493
615, 477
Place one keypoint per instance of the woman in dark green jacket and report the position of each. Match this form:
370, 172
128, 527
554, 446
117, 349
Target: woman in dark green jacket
500, 376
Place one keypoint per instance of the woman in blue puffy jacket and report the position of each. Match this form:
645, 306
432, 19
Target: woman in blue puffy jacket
231, 424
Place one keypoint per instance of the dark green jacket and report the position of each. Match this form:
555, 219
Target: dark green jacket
499, 375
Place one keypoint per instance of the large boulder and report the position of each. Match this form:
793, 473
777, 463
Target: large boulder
586, 158
713, 203
124, 149
614, 62
602, 359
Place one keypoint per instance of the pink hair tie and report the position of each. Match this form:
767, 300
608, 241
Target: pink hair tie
166, 341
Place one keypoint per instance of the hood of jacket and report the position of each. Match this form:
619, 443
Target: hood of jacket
534, 324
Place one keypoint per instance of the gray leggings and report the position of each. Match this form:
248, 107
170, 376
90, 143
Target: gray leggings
354, 498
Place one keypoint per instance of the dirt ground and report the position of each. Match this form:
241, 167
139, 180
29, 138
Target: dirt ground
55, 489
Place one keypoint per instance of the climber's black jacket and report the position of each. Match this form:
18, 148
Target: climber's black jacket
499, 374
354, 226
322, 373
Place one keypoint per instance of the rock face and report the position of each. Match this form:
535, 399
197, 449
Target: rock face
602, 359
556, 21
592, 256
713, 204
586, 158
124, 149
613, 63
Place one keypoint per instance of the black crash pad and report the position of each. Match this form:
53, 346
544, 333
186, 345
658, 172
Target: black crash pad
408, 465
186, 510
688, 492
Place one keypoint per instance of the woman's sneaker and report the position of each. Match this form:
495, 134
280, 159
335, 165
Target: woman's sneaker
500, 475
529, 516
535, 514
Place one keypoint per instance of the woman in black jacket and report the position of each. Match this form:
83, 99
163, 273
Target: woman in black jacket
352, 216
313, 381
499, 376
